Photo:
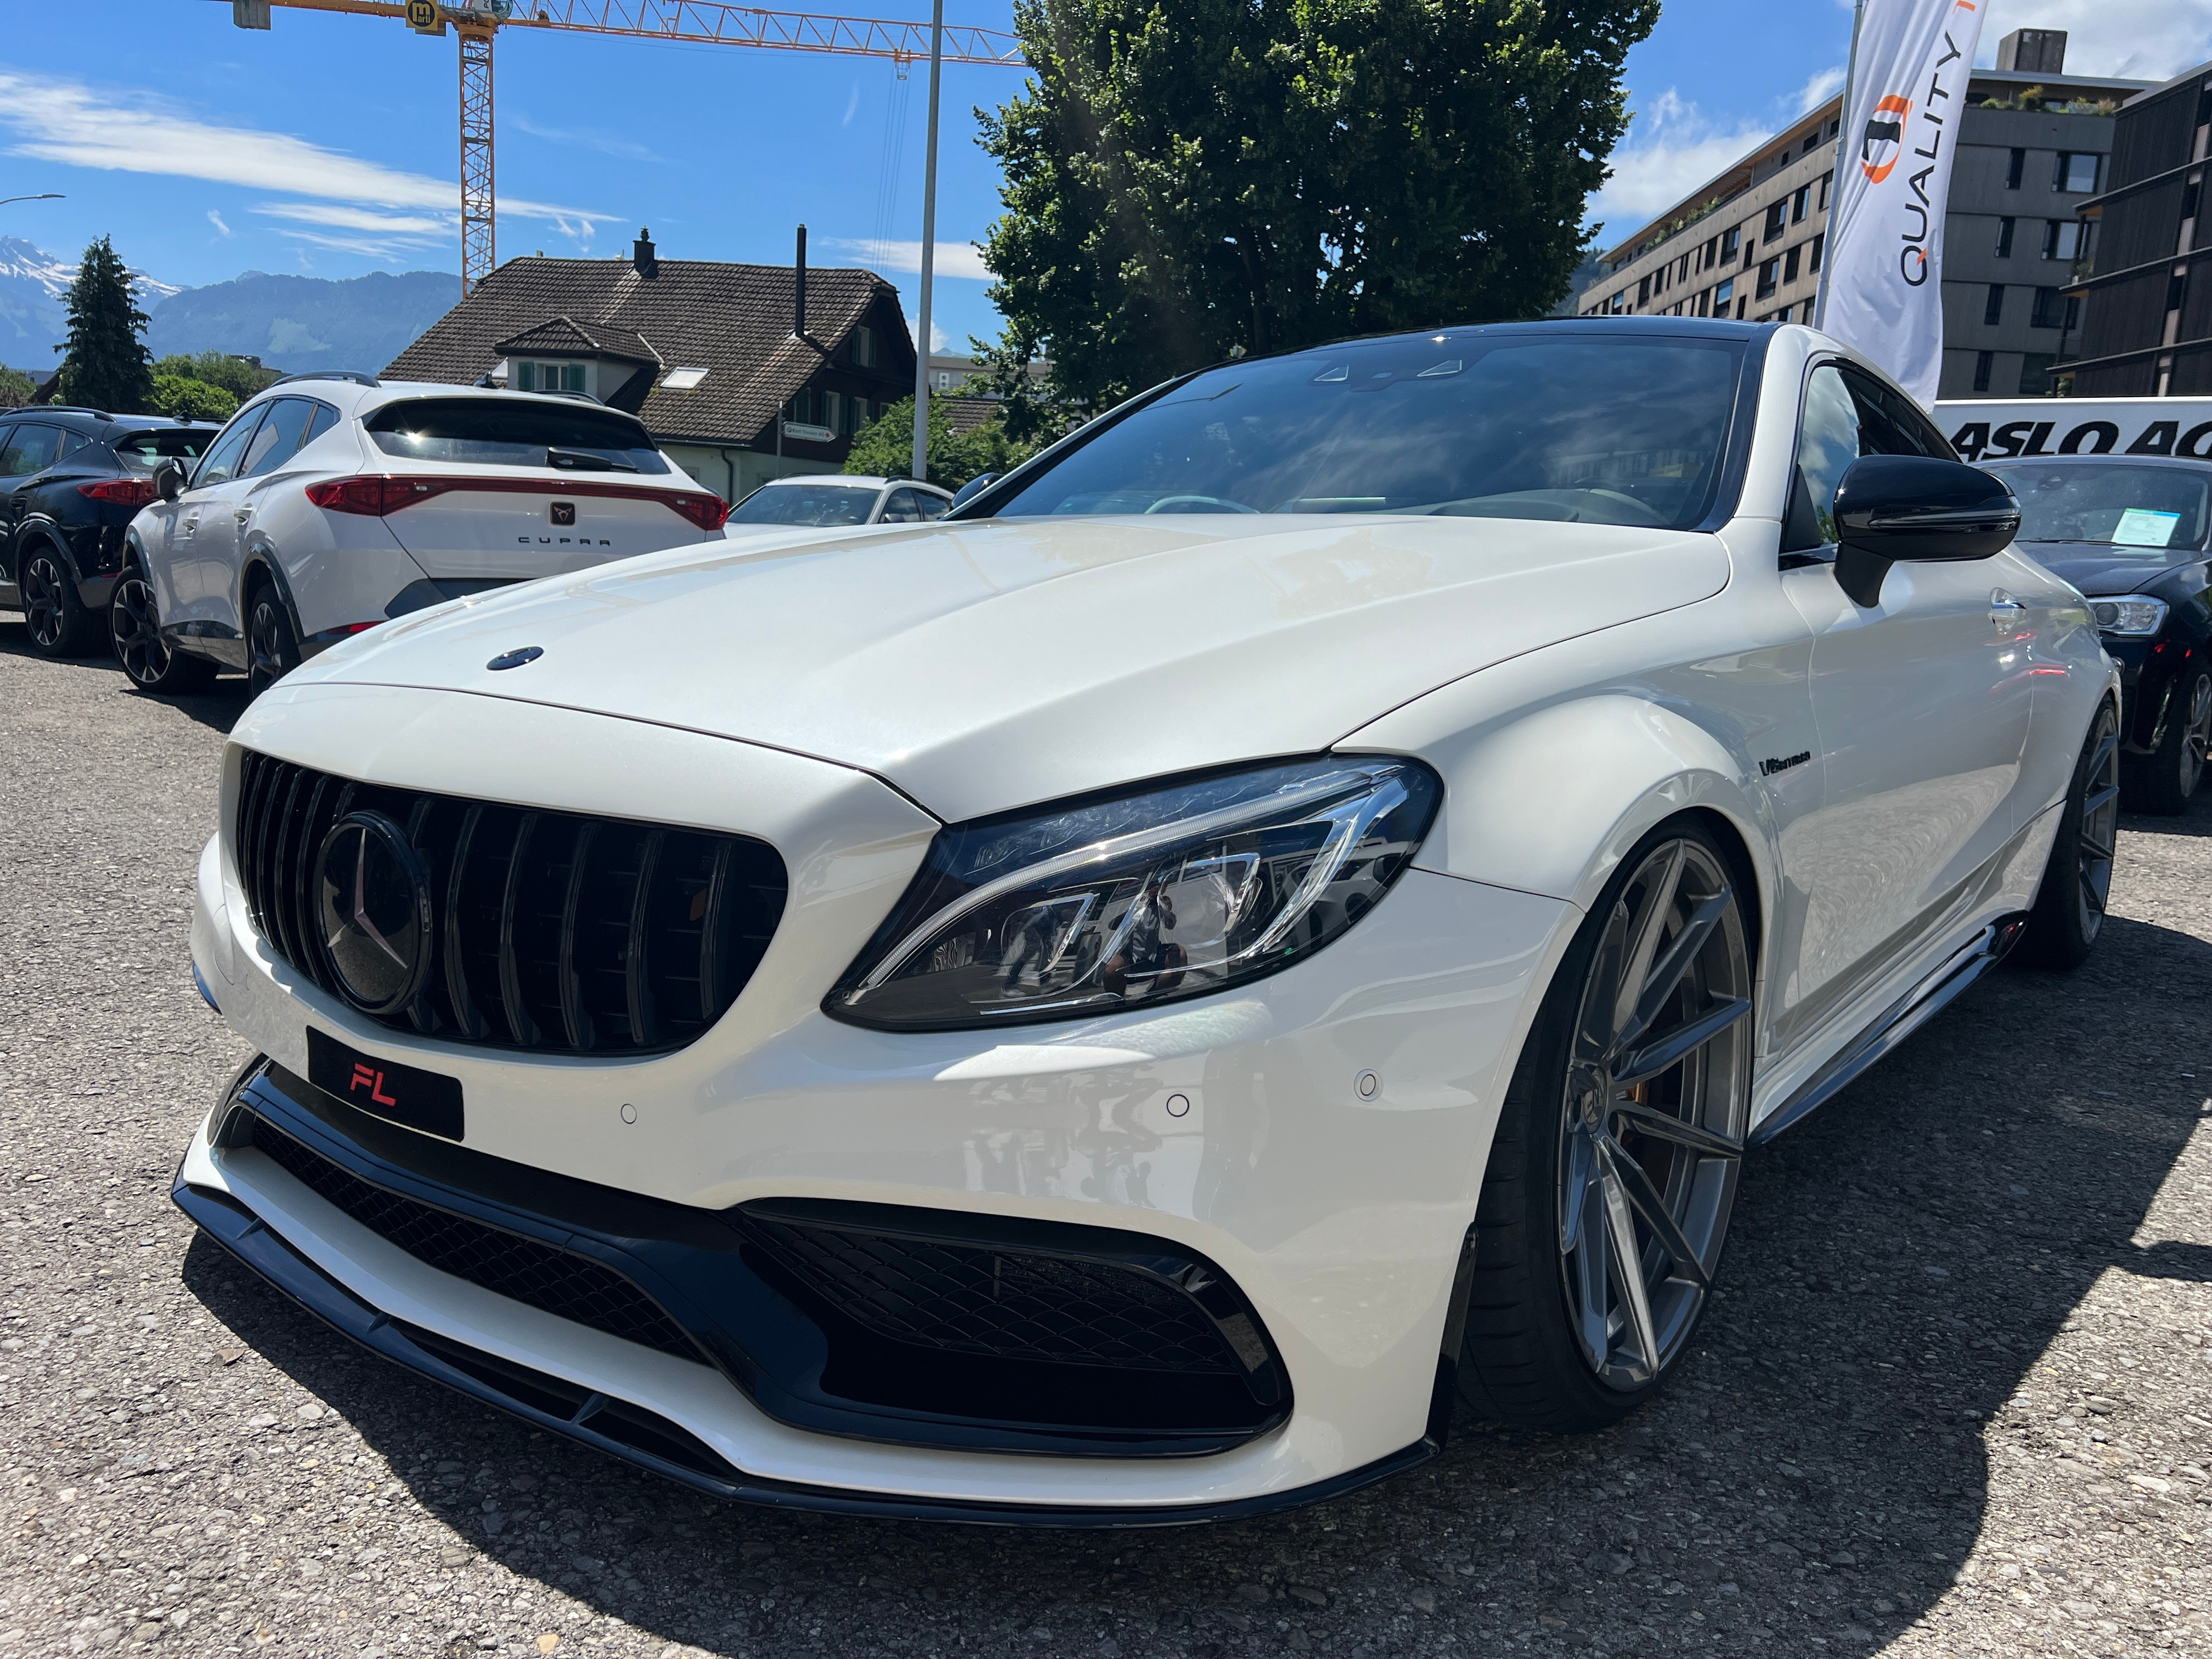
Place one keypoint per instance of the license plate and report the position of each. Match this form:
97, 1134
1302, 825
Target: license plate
407, 1094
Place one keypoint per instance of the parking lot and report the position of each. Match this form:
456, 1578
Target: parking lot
1955, 1396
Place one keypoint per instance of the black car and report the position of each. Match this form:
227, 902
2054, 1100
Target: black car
2131, 533
71, 480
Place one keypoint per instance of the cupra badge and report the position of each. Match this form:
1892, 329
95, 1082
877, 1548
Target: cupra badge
375, 892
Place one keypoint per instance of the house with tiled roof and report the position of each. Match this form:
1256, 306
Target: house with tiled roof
708, 355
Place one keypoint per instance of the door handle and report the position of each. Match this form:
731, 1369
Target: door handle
2004, 609
243, 514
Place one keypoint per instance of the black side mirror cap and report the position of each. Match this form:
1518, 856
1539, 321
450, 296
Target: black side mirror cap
974, 487
168, 481
1916, 507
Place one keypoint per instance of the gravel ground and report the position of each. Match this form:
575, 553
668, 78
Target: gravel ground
1955, 1397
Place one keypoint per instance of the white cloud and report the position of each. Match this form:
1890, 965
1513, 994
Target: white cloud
1672, 149
352, 218
607, 143
84, 126
2134, 39
1820, 88
852, 104
961, 259
939, 339
215, 219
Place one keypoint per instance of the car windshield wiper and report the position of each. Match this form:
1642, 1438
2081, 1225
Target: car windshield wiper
583, 460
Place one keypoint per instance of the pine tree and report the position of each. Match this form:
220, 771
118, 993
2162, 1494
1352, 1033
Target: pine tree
106, 366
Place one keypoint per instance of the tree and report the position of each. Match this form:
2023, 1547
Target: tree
1182, 183
106, 366
236, 375
885, 448
16, 388
183, 399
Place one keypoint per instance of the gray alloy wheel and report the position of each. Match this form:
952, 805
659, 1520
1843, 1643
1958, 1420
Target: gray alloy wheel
2197, 734
2077, 881
2164, 779
135, 626
1657, 1098
50, 607
271, 650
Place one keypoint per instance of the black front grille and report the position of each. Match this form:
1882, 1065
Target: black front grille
554, 1281
1009, 1304
551, 931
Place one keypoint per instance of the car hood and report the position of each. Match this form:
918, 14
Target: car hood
2096, 568
988, 666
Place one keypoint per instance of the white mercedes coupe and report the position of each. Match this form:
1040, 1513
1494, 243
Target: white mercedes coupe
1118, 1006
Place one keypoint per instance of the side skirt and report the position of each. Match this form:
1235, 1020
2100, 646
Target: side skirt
1895, 1023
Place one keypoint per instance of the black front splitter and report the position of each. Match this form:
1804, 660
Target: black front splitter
536, 1400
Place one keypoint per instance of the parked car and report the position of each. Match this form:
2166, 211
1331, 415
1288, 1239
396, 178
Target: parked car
1296, 902
71, 480
826, 500
2131, 533
333, 502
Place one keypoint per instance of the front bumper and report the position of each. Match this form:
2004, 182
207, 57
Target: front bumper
1244, 1130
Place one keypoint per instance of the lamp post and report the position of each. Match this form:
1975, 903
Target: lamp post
44, 195
928, 248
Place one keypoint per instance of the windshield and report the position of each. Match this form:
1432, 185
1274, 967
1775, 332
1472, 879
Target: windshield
2152, 513
1598, 430
814, 504
514, 432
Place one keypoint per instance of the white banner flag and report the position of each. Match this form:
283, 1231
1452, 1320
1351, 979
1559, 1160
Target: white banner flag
1881, 282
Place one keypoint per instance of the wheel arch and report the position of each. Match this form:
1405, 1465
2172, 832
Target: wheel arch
261, 562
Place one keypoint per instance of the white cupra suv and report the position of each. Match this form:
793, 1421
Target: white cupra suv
1121, 1005
333, 502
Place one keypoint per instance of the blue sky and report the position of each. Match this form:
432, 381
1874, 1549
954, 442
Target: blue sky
326, 145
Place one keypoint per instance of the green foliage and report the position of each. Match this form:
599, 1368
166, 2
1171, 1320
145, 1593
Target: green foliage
183, 399
217, 368
16, 388
884, 447
106, 366
1184, 181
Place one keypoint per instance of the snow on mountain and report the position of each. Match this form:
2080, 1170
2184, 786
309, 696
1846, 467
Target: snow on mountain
33, 289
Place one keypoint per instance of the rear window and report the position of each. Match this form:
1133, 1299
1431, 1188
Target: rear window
807, 504
513, 432
141, 452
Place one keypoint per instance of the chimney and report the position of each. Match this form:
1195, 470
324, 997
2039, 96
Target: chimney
2034, 51
642, 256
798, 289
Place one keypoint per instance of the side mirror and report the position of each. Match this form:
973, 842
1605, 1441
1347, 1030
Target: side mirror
1916, 507
168, 480
974, 487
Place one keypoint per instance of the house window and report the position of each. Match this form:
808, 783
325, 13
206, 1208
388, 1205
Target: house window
1827, 179
1643, 291
1740, 305
863, 347
1800, 202
1820, 247
1790, 263
1721, 296
1712, 252
2035, 374
1993, 307
549, 377
2014, 168
1620, 302
1730, 240
2004, 238
2061, 239
1777, 221
1982, 361
2075, 170
1769, 276
2052, 310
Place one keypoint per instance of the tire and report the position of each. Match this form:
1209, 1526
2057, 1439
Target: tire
2069, 905
272, 649
2163, 781
149, 663
1557, 1337
59, 623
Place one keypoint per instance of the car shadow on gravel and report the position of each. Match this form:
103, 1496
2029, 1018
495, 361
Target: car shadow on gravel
1819, 1469
217, 709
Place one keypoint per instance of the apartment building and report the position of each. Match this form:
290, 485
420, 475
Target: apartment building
1749, 243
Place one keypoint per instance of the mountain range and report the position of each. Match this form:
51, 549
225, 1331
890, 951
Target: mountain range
290, 323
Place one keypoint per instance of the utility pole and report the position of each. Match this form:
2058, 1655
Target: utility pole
928, 248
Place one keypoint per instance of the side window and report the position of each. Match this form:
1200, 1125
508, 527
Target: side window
933, 507
1893, 425
220, 466
279, 439
325, 418
31, 448
1828, 441
901, 508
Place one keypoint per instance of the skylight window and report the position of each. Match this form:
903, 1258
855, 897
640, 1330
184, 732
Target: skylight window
683, 380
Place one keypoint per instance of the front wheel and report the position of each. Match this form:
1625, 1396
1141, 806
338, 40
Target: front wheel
148, 661
272, 649
2164, 779
1607, 1199
59, 623
2077, 880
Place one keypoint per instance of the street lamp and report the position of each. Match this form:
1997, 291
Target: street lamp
46, 196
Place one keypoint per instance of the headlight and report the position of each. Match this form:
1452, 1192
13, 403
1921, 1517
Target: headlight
2133, 615
1180, 890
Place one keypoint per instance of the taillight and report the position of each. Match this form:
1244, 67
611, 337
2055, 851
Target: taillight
709, 512
123, 492
376, 494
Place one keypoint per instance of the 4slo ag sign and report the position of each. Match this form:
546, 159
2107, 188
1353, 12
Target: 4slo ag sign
1996, 430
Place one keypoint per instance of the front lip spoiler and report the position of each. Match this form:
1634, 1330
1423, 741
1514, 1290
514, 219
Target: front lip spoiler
262, 1249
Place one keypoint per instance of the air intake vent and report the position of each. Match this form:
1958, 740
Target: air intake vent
550, 932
